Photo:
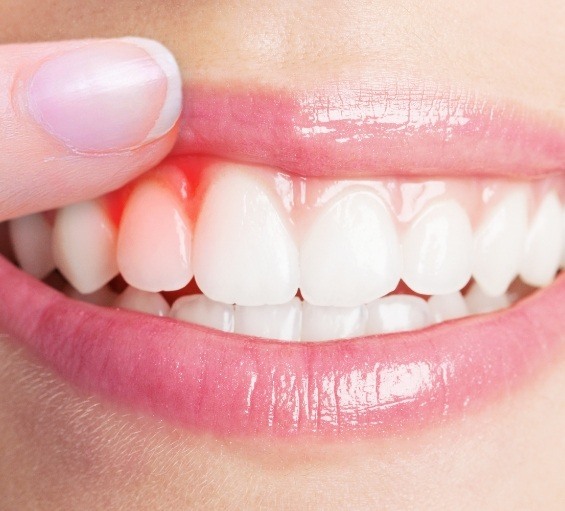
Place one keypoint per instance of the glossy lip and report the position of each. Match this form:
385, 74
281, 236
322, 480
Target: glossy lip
345, 130
232, 385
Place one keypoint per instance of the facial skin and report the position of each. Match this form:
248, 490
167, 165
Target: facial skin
63, 450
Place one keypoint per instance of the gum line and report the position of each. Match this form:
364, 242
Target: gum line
300, 197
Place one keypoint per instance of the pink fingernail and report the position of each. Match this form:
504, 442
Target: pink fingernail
108, 95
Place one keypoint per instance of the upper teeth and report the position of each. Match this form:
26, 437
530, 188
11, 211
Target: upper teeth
254, 238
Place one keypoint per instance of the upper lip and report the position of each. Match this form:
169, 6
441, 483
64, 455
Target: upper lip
346, 130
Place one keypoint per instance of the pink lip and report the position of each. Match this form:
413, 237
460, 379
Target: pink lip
234, 385
344, 130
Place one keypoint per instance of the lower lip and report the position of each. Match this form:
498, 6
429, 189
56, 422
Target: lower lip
232, 385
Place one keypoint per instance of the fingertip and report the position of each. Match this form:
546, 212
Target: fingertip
108, 96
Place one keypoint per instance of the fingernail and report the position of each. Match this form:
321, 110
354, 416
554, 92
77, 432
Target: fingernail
108, 95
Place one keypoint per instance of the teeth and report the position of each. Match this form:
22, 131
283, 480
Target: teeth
351, 254
243, 251
324, 323
142, 301
31, 238
478, 302
201, 310
398, 313
155, 240
445, 307
498, 243
358, 239
543, 243
281, 322
437, 248
84, 246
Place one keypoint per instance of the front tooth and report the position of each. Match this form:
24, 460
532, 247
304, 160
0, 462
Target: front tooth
84, 246
398, 313
445, 307
351, 254
544, 241
281, 322
498, 243
243, 250
31, 239
142, 301
326, 323
479, 302
201, 310
437, 250
155, 240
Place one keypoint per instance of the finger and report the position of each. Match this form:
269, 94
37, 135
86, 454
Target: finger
81, 118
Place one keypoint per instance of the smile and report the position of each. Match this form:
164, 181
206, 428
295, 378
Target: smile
311, 264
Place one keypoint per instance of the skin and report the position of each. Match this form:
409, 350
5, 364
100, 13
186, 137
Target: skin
63, 450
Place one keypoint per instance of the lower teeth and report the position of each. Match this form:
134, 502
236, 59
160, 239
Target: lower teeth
298, 320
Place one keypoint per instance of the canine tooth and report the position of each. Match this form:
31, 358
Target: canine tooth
243, 250
84, 246
542, 251
326, 323
479, 302
142, 301
155, 240
281, 322
351, 254
445, 307
398, 313
437, 250
104, 296
201, 310
498, 243
31, 239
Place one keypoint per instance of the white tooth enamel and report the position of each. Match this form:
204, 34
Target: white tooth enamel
84, 246
542, 251
31, 239
398, 313
104, 296
243, 250
445, 307
499, 241
155, 239
437, 250
351, 254
478, 302
326, 323
142, 301
201, 310
281, 322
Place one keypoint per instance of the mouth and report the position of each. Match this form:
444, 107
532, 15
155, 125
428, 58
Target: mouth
340, 263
